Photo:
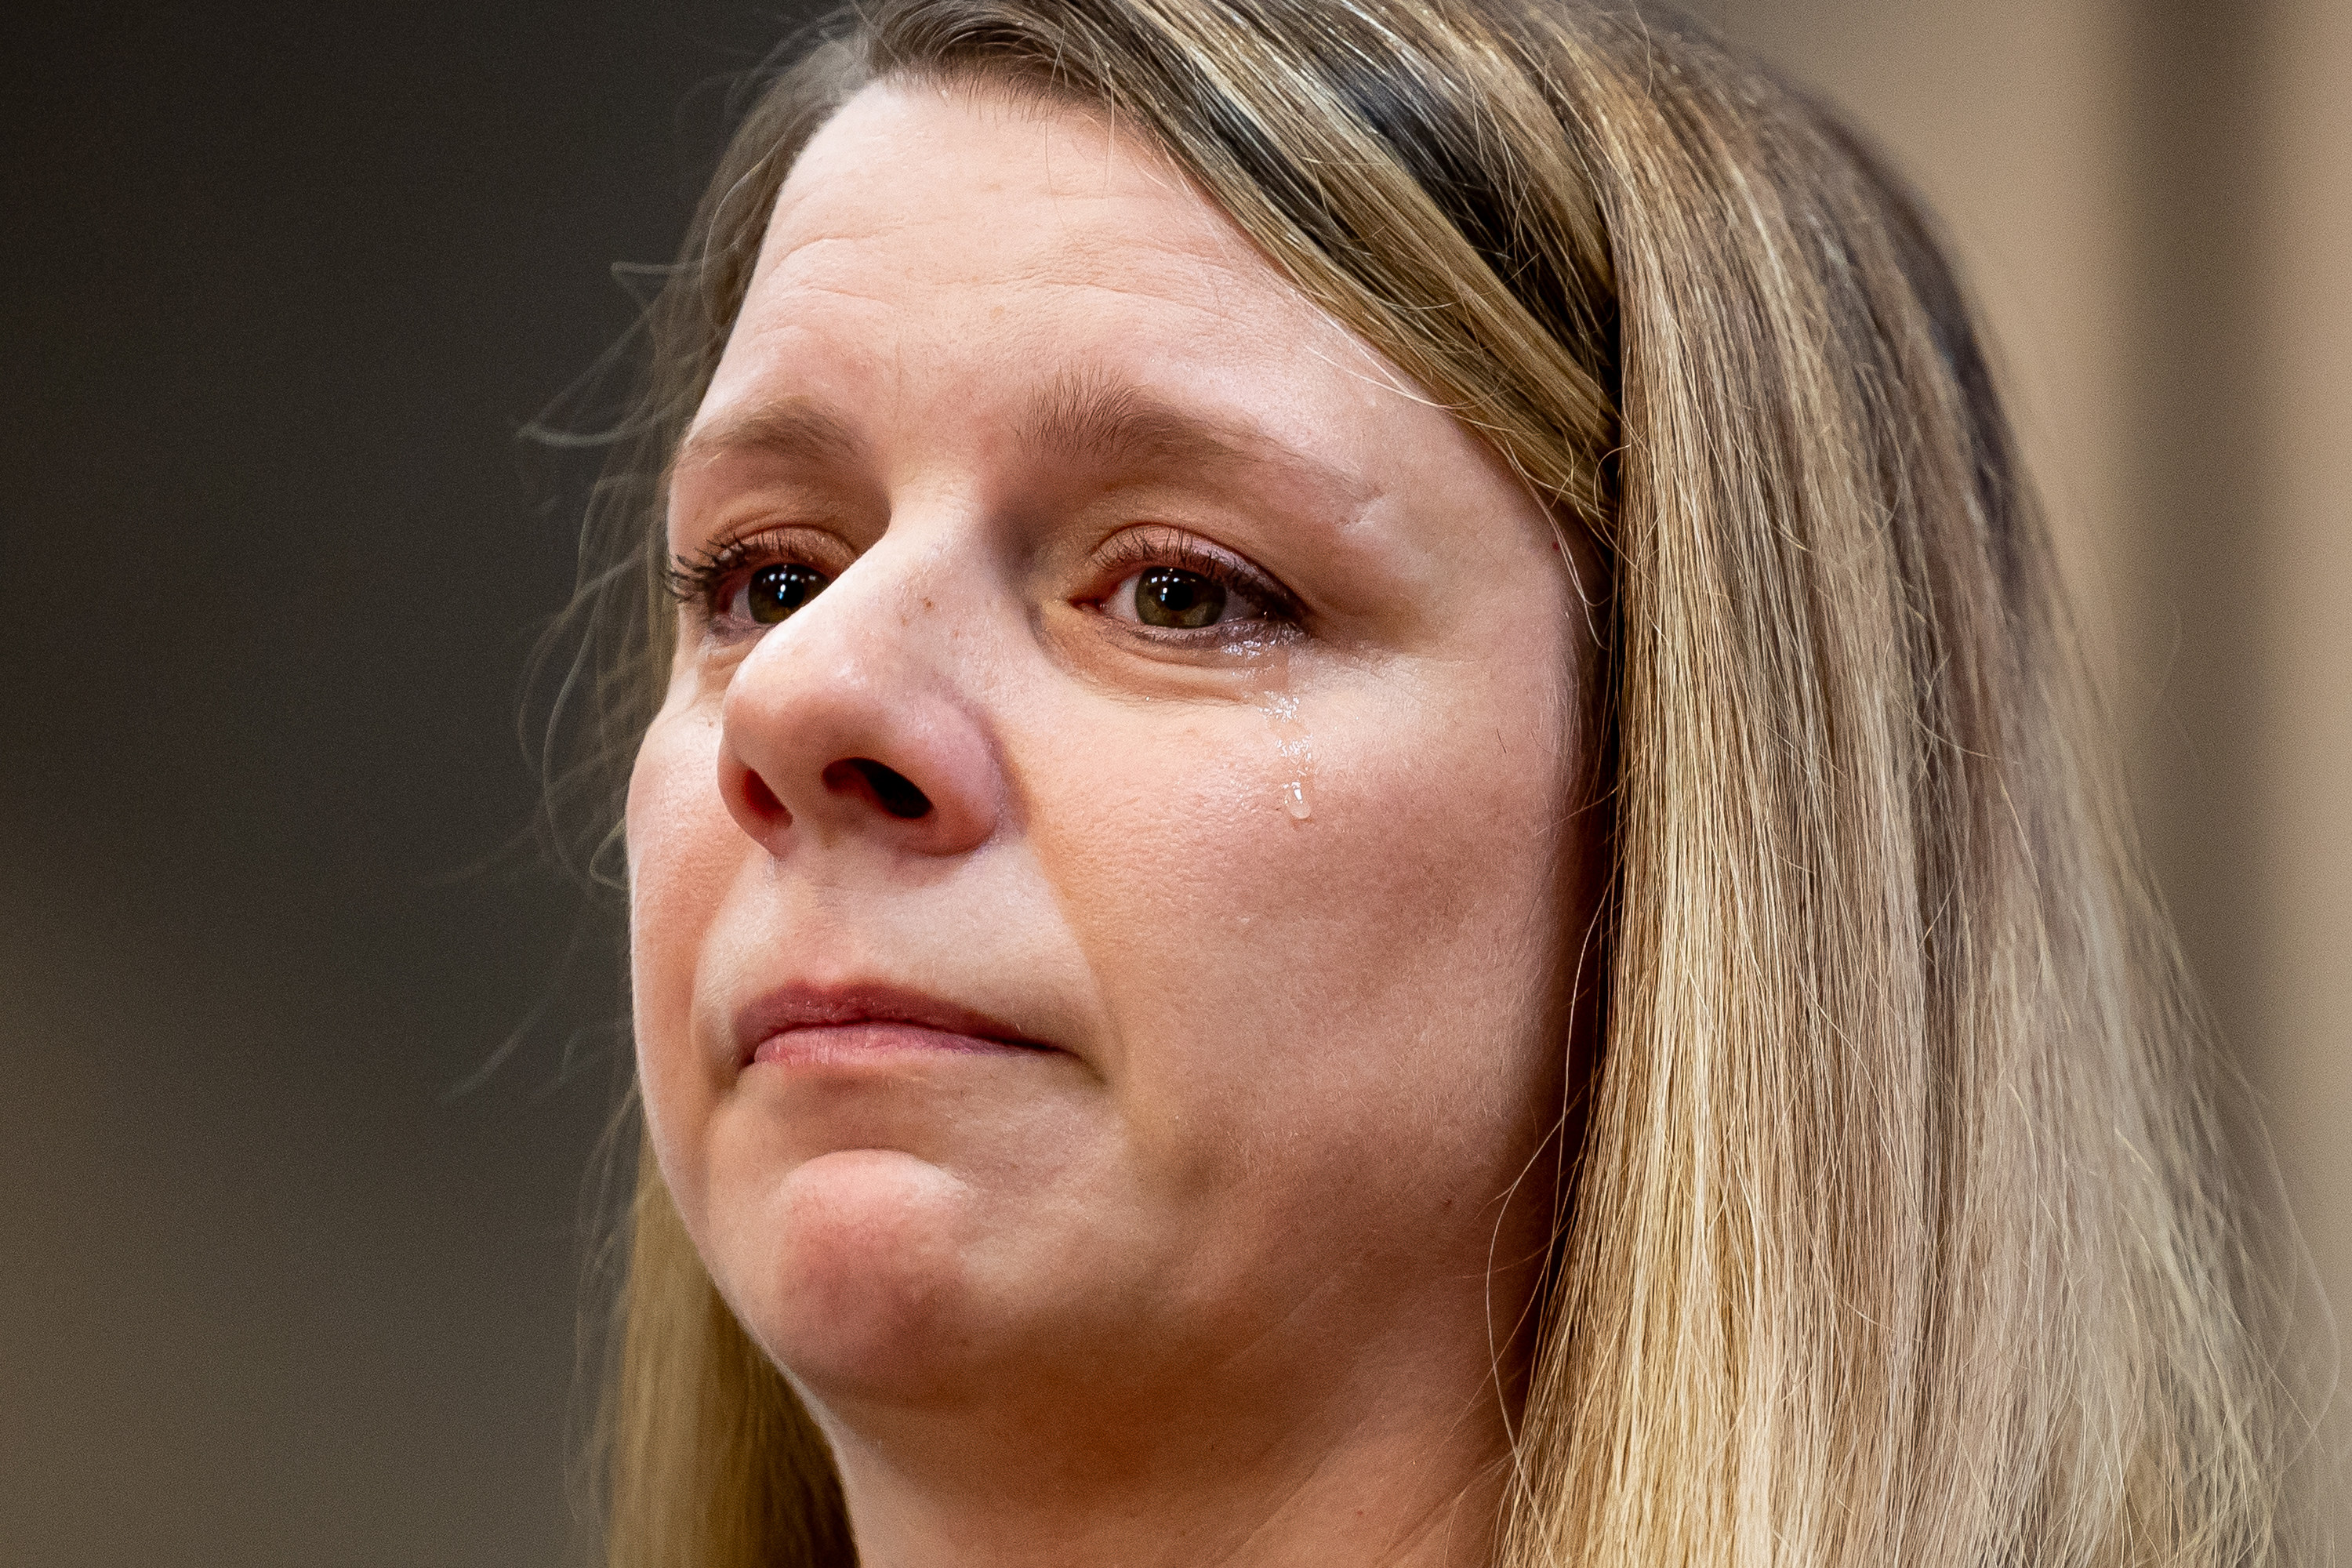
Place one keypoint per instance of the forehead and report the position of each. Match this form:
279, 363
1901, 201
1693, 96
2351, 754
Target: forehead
988, 219
924, 147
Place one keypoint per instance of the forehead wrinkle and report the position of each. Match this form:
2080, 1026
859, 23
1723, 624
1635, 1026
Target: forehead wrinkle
1089, 227
1144, 267
1027, 302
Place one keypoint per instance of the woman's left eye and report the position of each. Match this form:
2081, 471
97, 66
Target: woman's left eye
1171, 596
1176, 598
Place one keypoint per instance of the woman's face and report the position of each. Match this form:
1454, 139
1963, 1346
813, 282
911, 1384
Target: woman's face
1103, 873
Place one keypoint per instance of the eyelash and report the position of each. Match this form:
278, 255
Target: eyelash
1138, 548
705, 581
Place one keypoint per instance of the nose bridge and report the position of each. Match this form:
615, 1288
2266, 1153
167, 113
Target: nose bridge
867, 627
852, 720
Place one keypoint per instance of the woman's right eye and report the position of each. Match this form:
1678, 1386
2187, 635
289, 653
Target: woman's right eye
771, 592
746, 586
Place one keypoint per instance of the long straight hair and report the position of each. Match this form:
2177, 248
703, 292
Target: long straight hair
1902, 1227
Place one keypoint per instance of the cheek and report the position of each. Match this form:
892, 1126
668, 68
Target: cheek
1306, 993
684, 853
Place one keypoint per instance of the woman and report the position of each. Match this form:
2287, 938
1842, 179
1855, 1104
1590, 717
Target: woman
1363, 835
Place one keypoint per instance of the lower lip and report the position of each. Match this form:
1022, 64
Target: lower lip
821, 1045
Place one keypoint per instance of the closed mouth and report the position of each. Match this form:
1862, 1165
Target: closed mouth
819, 1023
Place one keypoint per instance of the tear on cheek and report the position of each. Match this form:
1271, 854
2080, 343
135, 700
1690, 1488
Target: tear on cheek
1292, 744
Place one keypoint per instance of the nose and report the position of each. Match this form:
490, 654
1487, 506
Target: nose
844, 724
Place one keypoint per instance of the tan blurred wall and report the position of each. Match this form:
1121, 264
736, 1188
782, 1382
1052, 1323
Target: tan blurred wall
2301, 639
2005, 114
2152, 199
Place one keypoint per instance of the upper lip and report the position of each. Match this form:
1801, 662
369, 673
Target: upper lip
802, 1006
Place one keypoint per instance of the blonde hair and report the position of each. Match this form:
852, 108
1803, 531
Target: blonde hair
1902, 1228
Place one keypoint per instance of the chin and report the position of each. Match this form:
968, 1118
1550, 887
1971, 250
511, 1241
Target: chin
855, 1277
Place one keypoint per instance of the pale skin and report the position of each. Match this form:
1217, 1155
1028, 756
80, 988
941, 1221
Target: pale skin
1131, 1172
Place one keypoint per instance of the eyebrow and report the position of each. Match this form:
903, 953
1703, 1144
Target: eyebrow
1094, 418
794, 428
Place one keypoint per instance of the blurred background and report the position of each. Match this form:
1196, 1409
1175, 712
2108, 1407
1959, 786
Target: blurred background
306, 1061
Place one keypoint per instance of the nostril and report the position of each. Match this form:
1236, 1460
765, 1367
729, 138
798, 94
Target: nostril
762, 798
891, 790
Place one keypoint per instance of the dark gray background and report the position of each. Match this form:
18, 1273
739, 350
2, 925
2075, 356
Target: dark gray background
282, 284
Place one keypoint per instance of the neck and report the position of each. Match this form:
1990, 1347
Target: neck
1399, 1463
